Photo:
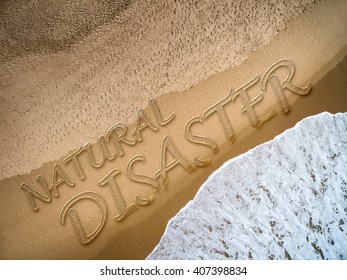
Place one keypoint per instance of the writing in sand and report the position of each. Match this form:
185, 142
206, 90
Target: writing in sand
119, 139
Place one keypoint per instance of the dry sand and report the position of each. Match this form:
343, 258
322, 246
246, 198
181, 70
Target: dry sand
58, 97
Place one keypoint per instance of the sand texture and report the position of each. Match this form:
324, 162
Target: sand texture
102, 168
70, 70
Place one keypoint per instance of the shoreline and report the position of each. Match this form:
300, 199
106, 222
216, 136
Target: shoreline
139, 233
331, 78
143, 230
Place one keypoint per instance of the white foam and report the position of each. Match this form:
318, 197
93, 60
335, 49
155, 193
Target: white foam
284, 199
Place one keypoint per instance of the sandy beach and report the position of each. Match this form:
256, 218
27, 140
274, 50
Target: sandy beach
88, 87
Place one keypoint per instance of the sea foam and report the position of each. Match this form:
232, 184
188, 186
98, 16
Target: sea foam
285, 199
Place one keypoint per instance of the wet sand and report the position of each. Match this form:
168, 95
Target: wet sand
134, 237
333, 82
